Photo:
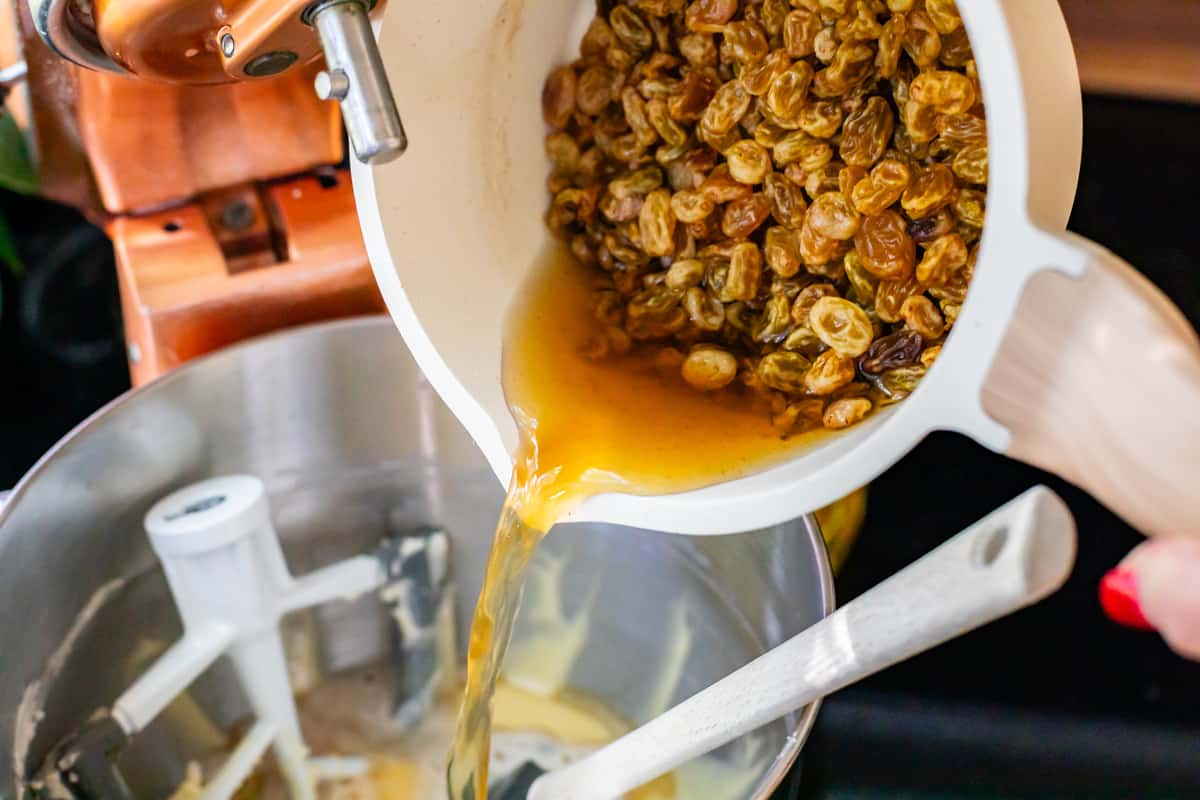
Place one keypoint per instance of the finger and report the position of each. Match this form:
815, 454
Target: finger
1158, 586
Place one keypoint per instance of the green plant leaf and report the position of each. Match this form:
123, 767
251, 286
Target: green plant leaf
16, 167
18, 175
8, 249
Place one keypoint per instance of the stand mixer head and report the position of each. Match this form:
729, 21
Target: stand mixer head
205, 43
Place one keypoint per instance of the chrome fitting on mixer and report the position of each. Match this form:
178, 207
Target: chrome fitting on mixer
355, 77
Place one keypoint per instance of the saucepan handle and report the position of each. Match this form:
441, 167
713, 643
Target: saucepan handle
1098, 380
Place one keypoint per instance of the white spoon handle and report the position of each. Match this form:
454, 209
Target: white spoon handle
1012, 558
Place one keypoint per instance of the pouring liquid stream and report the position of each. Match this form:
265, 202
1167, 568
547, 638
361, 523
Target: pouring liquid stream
588, 426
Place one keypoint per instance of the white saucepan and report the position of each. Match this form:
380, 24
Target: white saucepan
1063, 356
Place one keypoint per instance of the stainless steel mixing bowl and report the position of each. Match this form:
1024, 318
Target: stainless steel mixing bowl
353, 445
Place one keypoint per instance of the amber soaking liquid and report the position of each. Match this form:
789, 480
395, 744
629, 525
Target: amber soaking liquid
587, 427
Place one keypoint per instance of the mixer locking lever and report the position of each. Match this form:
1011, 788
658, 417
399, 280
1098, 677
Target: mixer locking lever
355, 77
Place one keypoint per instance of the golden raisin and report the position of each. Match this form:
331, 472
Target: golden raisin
846, 412
971, 164
710, 16
709, 368
969, 207
782, 251
656, 223
749, 162
630, 29
593, 90
786, 199
635, 114
768, 134
788, 93
798, 147
825, 45
742, 217
772, 15
691, 206
821, 119
842, 325
558, 97
944, 15
956, 49
698, 49
829, 372
801, 415
944, 257
684, 273
951, 311
957, 131
866, 134
890, 297
897, 384
800, 29
851, 65
596, 41
891, 42
563, 153
720, 187
808, 297
705, 311
848, 178
821, 180
745, 268
886, 249
757, 78
946, 91
860, 25
921, 40
775, 321
920, 314
692, 96
784, 371
920, 122
882, 188
833, 216
743, 42
817, 250
930, 190
729, 104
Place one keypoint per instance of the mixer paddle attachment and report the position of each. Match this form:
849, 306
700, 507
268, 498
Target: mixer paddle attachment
227, 574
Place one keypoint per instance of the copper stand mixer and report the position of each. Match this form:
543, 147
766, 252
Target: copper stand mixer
199, 136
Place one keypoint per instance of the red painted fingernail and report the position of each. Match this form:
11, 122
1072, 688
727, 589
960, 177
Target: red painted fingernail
1119, 599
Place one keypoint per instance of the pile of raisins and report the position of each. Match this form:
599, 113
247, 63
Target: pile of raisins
784, 194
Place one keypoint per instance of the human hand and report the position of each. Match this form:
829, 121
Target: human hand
1157, 587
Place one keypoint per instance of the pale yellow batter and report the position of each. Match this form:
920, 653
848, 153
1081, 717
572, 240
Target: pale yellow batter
350, 717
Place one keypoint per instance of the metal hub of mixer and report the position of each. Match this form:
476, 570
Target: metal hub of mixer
173, 42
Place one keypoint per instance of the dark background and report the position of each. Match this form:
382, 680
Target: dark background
1053, 702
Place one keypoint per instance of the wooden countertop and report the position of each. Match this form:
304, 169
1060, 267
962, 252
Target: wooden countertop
1144, 48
